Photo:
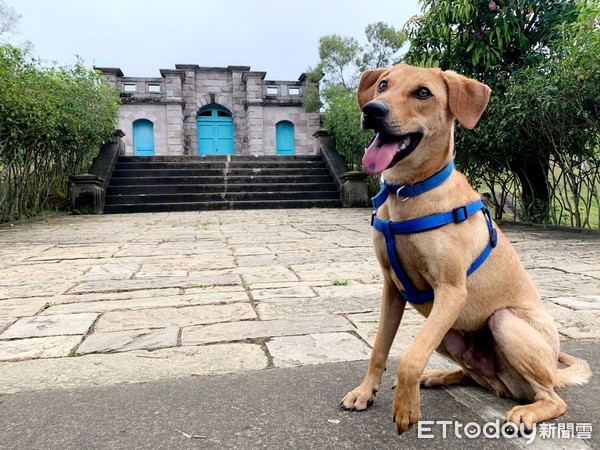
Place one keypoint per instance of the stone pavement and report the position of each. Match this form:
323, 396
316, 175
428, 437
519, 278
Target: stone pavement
103, 300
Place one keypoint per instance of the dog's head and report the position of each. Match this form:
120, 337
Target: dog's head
412, 110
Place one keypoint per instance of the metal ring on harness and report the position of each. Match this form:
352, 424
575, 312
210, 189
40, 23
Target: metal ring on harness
403, 199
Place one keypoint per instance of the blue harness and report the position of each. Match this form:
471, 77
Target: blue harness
427, 223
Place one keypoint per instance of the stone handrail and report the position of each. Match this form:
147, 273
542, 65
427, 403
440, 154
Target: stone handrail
354, 191
88, 190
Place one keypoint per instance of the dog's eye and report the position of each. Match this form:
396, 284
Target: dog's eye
382, 86
423, 93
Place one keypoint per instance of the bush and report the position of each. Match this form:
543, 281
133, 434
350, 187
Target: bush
342, 121
52, 122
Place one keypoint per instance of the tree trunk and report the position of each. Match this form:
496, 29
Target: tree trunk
532, 171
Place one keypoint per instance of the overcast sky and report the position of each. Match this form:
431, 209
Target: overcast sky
141, 37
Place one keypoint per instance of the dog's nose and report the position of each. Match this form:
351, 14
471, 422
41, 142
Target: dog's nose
374, 113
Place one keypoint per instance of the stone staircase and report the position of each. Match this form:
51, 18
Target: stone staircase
195, 183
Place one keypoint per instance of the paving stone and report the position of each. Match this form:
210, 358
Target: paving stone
165, 317
264, 273
117, 270
89, 251
159, 270
121, 341
187, 249
412, 321
251, 250
576, 324
5, 323
54, 272
257, 260
21, 307
279, 293
265, 284
99, 297
358, 271
583, 302
319, 305
39, 347
129, 367
154, 283
60, 324
237, 331
200, 297
291, 351
35, 290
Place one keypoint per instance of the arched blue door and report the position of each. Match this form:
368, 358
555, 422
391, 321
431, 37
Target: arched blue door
143, 138
215, 131
284, 134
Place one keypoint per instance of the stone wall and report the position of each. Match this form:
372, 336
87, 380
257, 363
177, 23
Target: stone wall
157, 114
305, 125
173, 101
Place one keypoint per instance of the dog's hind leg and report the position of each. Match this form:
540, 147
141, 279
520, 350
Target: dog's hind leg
526, 363
392, 309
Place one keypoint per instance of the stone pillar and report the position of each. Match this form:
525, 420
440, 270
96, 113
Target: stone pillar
110, 75
190, 110
254, 111
174, 100
238, 109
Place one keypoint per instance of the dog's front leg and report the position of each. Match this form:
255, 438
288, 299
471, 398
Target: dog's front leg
392, 308
406, 408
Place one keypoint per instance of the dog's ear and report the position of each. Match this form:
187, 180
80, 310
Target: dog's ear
366, 87
467, 98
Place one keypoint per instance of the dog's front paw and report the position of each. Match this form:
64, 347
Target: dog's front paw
359, 399
406, 409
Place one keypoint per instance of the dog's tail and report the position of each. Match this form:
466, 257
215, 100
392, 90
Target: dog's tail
577, 371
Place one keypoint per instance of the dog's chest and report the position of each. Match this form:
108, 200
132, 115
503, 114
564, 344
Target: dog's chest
411, 255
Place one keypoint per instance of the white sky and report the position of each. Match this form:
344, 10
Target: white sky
141, 37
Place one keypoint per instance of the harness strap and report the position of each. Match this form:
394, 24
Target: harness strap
427, 223
412, 190
431, 222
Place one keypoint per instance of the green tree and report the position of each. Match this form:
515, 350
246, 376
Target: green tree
384, 43
52, 123
342, 121
493, 40
9, 19
341, 61
337, 60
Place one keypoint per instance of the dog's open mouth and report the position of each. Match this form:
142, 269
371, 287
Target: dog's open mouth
386, 150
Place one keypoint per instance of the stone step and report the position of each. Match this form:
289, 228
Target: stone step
222, 196
205, 206
219, 187
284, 179
256, 171
210, 164
193, 183
219, 158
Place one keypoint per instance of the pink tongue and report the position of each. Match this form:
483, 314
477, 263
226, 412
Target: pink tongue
378, 156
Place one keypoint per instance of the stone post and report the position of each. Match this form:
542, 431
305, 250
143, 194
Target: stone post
354, 190
254, 111
174, 100
86, 195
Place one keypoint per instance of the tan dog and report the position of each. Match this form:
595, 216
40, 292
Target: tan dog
491, 323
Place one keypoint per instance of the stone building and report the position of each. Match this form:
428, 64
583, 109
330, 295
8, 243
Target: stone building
193, 110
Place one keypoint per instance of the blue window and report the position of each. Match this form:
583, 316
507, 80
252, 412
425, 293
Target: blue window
143, 138
284, 136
